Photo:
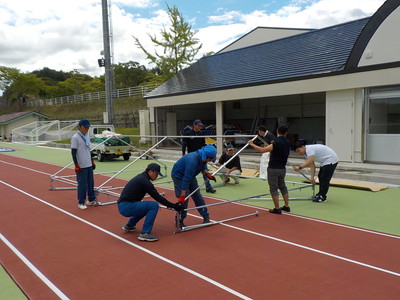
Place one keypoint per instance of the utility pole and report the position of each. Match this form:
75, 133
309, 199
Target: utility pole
109, 72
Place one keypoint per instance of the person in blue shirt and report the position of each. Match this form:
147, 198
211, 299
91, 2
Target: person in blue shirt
192, 144
130, 202
184, 174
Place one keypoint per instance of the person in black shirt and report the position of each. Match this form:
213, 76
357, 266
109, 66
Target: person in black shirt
193, 144
280, 150
233, 168
264, 136
130, 202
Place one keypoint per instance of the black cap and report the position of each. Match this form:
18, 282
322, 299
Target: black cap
154, 167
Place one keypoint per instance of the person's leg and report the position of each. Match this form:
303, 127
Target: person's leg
324, 176
138, 210
223, 176
90, 185
272, 178
177, 187
283, 188
235, 175
198, 199
82, 185
151, 207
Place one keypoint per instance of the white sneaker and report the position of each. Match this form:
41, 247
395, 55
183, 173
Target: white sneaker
92, 203
82, 206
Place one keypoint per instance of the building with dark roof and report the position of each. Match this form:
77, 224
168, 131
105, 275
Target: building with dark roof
338, 85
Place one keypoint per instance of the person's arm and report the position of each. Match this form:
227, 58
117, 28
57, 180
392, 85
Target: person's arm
151, 190
308, 163
74, 158
261, 149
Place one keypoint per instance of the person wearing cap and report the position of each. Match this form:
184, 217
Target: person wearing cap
130, 202
184, 174
192, 144
279, 150
328, 160
232, 168
84, 165
264, 137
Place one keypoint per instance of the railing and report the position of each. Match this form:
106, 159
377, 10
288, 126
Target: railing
119, 93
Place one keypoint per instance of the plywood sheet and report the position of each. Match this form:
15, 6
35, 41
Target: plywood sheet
356, 184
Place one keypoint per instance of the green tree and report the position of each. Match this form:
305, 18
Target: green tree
178, 44
7, 77
130, 74
25, 86
52, 77
76, 84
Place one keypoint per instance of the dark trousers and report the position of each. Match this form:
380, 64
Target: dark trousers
197, 197
85, 185
324, 176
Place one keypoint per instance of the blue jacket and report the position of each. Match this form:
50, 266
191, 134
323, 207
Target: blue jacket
187, 168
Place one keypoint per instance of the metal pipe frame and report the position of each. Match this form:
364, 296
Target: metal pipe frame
216, 171
197, 226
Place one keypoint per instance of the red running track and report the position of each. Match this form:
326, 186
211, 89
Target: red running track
85, 254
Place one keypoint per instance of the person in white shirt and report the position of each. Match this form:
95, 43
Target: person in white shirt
84, 165
328, 160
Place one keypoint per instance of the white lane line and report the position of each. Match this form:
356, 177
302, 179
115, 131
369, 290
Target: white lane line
205, 278
345, 226
33, 268
314, 250
261, 208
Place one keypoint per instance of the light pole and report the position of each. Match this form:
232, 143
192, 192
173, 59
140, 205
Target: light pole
108, 74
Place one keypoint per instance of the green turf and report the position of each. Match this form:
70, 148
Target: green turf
365, 209
8, 288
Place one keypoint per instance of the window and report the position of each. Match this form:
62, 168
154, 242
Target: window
384, 111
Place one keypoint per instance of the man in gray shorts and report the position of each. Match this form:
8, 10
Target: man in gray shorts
280, 150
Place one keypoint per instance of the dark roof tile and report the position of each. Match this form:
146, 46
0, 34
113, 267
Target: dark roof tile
316, 52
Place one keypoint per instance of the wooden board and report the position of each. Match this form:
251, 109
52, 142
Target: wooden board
356, 184
250, 173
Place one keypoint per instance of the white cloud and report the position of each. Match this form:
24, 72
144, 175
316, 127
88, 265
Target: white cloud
67, 35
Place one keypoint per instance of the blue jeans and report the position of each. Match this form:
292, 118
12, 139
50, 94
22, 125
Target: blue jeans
138, 210
197, 197
85, 185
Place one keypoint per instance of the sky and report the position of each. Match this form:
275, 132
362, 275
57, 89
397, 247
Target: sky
67, 35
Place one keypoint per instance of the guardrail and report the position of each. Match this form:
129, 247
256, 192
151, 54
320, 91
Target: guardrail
119, 93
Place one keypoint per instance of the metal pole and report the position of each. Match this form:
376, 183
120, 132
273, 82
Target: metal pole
224, 202
233, 156
108, 74
191, 227
123, 169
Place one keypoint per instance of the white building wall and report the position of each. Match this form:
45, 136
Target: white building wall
384, 46
8, 128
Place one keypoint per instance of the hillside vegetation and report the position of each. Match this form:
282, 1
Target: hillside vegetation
78, 110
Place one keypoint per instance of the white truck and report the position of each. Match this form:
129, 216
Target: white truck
105, 143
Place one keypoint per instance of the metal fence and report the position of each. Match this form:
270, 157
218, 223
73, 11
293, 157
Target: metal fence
119, 93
